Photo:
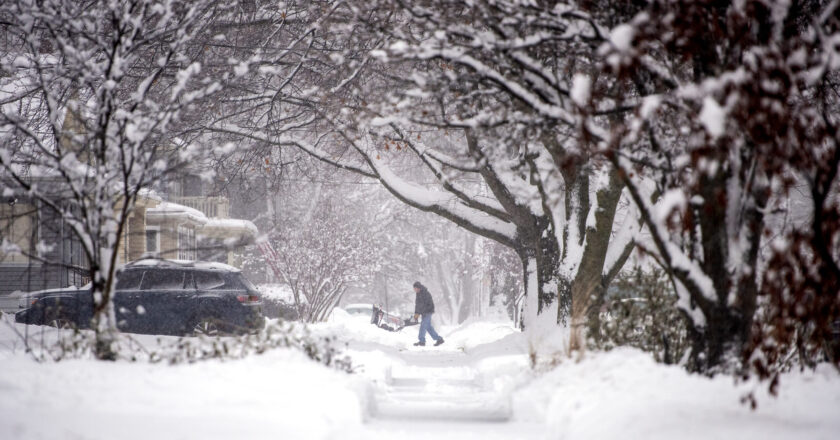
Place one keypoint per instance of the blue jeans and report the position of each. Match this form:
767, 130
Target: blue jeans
426, 326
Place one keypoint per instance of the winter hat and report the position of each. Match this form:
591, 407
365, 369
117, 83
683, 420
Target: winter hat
417, 285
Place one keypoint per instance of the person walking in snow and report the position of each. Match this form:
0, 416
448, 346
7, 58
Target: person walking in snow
424, 307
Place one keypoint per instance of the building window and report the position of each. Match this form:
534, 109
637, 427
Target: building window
191, 186
186, 243
18, 232
153, 239
77, 275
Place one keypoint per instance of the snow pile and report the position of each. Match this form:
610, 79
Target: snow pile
281, 394
623, 394
278, 394
357, 328
482, 369
476, 333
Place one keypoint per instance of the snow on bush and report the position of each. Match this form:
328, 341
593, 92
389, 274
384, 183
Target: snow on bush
624, 394
45, 344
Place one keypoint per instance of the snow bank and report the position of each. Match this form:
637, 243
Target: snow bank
623, 394
357, 328
279, 394
474, 334
620, 394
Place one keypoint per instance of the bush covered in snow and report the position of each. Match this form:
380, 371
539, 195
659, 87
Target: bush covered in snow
47, 344
640, 311
278, 302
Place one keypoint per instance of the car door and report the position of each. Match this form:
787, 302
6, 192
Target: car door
159, 292
127, 301
182, 309
213, 295
210, 287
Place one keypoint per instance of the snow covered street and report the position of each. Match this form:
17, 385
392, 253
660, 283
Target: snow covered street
478, 385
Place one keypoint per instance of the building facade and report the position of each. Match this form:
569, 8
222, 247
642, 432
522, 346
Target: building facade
39, 252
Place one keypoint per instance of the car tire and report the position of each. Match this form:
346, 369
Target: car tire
62, 323
206, 326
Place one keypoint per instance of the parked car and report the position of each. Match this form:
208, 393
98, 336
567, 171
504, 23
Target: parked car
155, 296
360, 309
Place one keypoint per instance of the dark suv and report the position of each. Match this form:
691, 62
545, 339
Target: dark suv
160, 297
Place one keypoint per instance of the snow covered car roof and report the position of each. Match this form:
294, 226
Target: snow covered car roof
358, 306
204, 265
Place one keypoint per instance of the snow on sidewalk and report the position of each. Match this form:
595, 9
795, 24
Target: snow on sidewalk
478, 385
460, 390
622, 394
279, 394
438, 393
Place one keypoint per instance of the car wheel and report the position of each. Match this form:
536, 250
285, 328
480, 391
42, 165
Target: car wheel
206, 327
62, 323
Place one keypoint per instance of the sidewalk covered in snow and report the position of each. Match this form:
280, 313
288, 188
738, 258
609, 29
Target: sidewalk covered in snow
478, 385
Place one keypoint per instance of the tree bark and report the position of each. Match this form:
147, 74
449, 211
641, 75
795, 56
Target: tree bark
589, 287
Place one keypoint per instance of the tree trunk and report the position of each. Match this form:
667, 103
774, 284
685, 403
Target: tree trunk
503, 283
103, 325
588, 287
718, 343
468, 285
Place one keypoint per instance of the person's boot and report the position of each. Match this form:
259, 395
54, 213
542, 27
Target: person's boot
439, 341
420, 344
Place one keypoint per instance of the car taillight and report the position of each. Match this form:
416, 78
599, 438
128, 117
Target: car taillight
248, 298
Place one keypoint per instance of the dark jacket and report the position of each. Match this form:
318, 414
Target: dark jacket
423, 303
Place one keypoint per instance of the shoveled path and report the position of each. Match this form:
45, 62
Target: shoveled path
440, 394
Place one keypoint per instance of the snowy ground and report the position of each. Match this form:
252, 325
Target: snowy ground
477, 385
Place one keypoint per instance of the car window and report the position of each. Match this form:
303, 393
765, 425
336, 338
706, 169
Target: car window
129, 279
208, 280
243, 282
163, 280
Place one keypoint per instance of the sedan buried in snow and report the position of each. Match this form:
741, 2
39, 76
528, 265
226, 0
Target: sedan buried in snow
160, 297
